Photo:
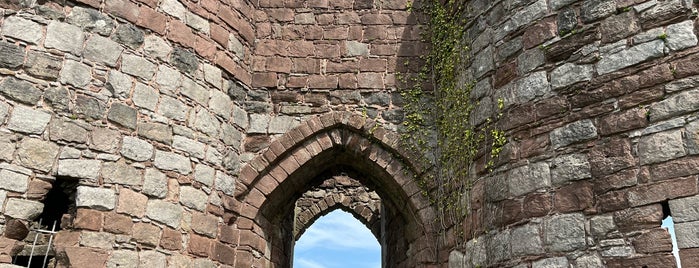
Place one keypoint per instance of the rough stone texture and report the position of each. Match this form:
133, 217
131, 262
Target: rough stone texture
162, 211
23, 209
661, 147
121, 173
95, 198
687, 234
569, 74
129, 35
573, 133
526, 179
84, 169
526, 240
14, 182
64, 37
43, 65
172, 161
20, 91
155, 183
11, 55
565, 232
136, 149
37, 154
122, 115
101, 49
675, 105
557, 262
137, 66
123, 258
91, 20
685, 209
76, 74
27, 120
680, 36
193, 198
22, 29
631, 56
568, 168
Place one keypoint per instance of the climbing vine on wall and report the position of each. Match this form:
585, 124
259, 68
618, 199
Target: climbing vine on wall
438, 110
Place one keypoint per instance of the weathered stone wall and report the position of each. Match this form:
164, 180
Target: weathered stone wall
601, 115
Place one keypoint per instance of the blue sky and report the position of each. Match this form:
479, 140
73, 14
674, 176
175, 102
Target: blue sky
667, 223
337, 240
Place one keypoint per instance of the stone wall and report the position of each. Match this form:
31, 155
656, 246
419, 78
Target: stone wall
600, 115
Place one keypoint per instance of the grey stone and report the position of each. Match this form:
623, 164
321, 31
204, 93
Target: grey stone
214, 156
203, 263
685, 209
22, 29
225, 183
557, 4
193, 198
529, 60
195, 91
204, 174
7, 147
49, 12
456, 259
14, 182
64, 37
214, 76
196, 22
156, 47
532, 86
221, 104
498, 246
152, 259
97, 240
526, 240
192, 147
483, 62
496, 187
3, 197
89, 107
617, 251
90, 20
680, 35
105, 140
240, 117
661, 147
145, 96
258, 123
684, 102
21, 91
691, 137
129, 35
136, 149
172, 108
121, 173
23, 209
123, 115
593, 10
67, 130
567, 21
70, 153
527, 15
565, 232
258, 107
682, 84
379, 99
235, 46
231, 161
206, 123
630, 56
184, 61
119, 84
556, 262
509, 48
155, 131
95, 198
230, 135
657, 13
57, 98
573, 133
82, 169
601, 226
529, 178
171, 161
570, 73
282, 124
76, 74
174, 8
123, 259
155, 183
11, 55
569, 168
354, 49
181, 261
103, 50
27, 120
137, 66
165, 212
687, 234
43, 65
236, 91
168, 79
588, 261
37, 154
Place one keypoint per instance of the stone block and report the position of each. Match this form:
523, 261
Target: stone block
102, 50
121, 173
90, 107
171, 239
123, 258
165, 212
136, 149
83, 169
23, 209
37, 154
156, 47
146, 234
184, 61
630, 56
28, 120
14, 182
76, 74
588, 261
526, 240
661, 147
43, 65
687, 234
22, 29
145, 96
193, 198
129, 35
684, 102
204, 174
20, 91
206, 123
526, 15
225, 183
205, 224
171, 161
573, 133
619, 26
498, 247
95, 198
173, 108
117, 223
685, 209
97, 240
570, 73
556, 262
195, 91
138, 66
91, 20
530, 87
189, 146
174, 8
152, 259
65, 130
569, 168
132, 203
155, 183
527, 179
565, 232
64, 37
11, 55
593, 10
105, 140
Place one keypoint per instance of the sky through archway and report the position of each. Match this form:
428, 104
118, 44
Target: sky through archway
337, 240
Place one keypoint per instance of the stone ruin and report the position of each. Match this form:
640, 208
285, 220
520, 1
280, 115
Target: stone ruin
212, 133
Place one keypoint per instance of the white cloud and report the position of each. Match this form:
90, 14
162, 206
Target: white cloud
338, 230
304, 263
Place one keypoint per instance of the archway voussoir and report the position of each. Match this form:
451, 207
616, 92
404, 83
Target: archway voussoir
287, 141
314, 147
315, 124
278, 173
259, 163
325, 141
289, 164
256, 198
328, 120
356, 121
296, 135
301, 155
270, 156
267, 184
248, 175
305, 130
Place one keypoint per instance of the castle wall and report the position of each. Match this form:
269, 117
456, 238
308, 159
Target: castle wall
600, 115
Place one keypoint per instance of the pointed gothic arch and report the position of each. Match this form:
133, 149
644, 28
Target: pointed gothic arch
330, 145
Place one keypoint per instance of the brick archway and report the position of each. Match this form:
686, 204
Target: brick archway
322, 147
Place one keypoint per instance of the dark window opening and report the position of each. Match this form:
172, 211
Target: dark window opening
59, 206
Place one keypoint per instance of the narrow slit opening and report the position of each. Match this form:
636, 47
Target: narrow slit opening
669, 225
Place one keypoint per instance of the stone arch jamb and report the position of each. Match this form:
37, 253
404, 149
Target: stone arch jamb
285, 169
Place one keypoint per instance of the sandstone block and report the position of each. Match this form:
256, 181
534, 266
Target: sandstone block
152, 259
146, 234
95, 198
37, 154
97, 240
205, 224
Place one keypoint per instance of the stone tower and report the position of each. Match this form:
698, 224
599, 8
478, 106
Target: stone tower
212, 133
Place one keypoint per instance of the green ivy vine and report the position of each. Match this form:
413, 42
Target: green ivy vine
438, 108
